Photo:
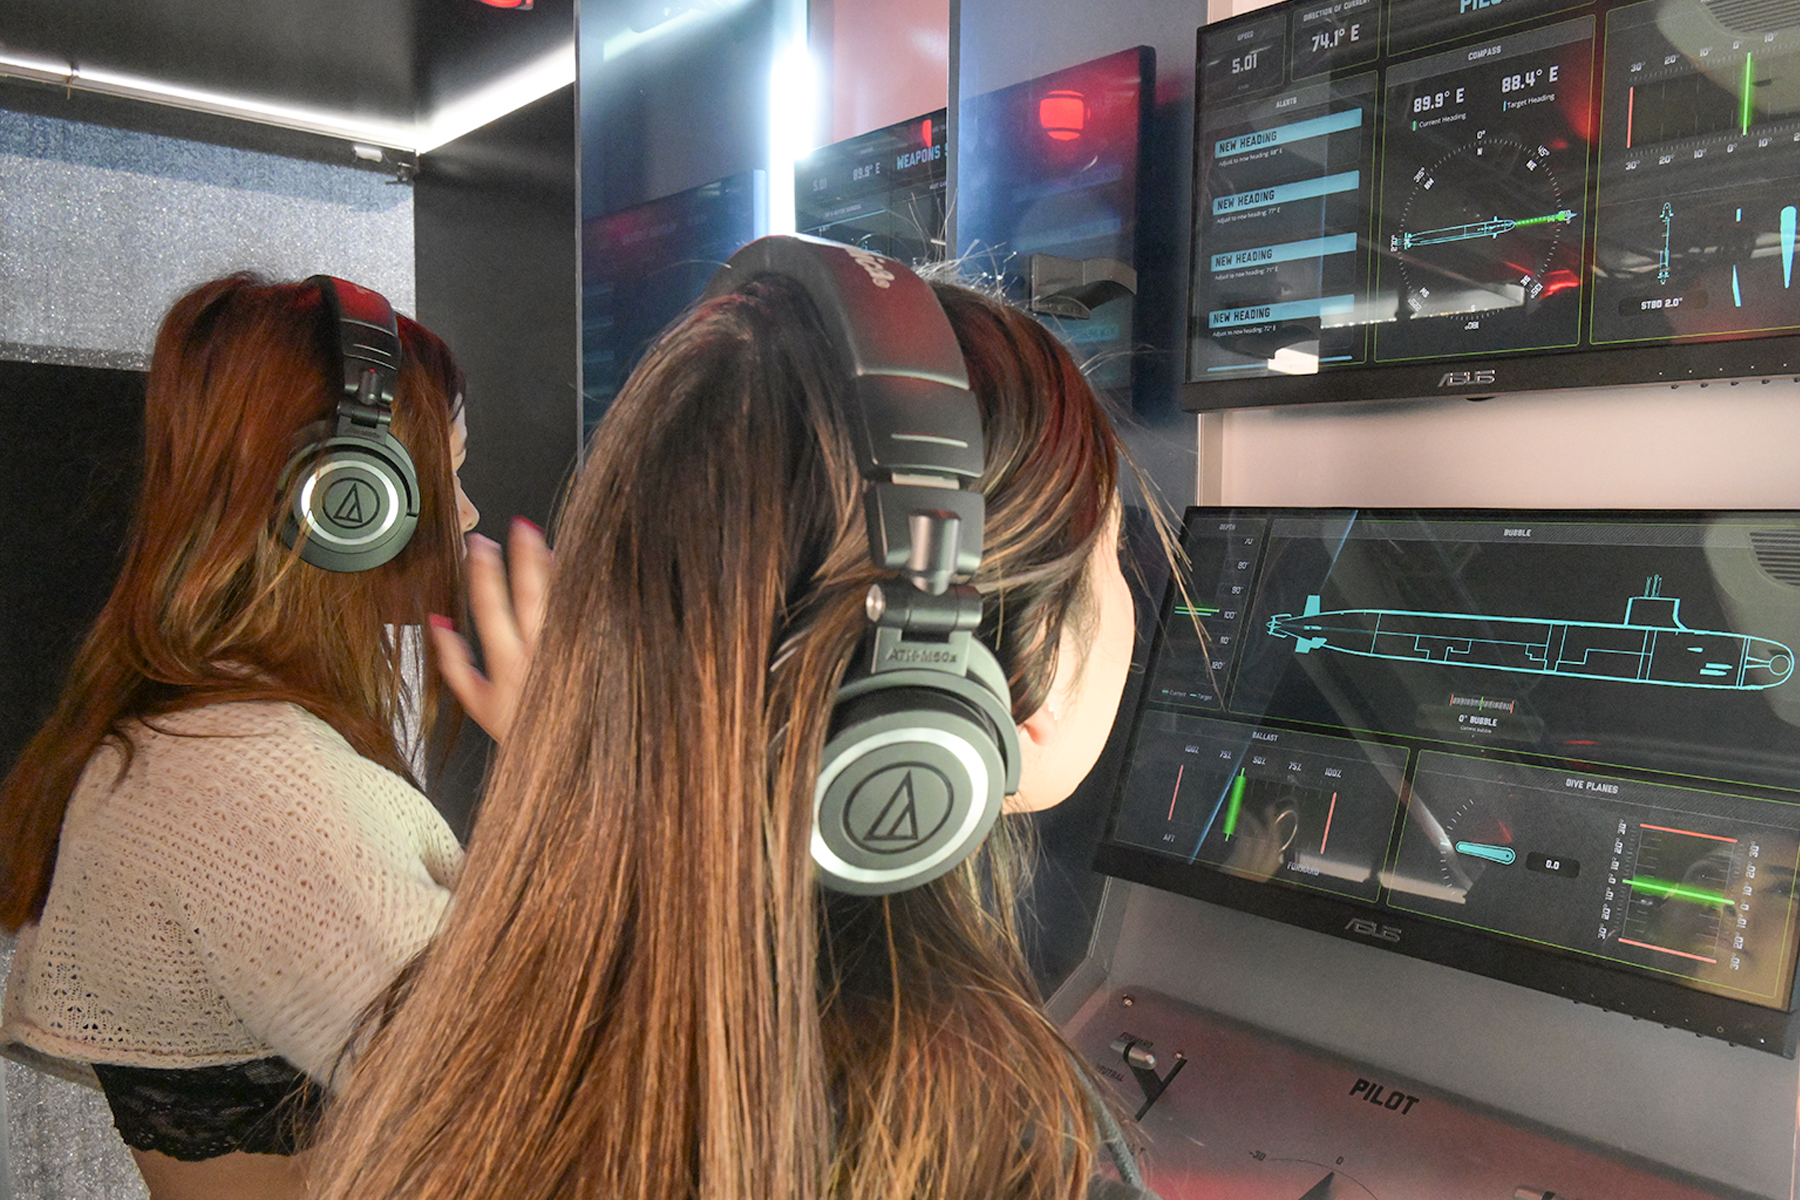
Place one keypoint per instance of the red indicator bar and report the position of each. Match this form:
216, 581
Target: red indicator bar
1177, 791
1666, 950
1711, 837
1630, 109
1328, 813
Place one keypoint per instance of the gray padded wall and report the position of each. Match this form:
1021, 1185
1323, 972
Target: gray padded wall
104, 227
101, 229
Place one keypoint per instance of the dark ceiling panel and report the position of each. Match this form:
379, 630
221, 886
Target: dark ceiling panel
349, 56
466, 43
376, 60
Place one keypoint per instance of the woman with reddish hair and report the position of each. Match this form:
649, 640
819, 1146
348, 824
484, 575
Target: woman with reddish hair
216, 852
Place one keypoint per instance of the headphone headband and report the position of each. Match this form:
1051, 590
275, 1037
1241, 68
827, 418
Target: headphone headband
922, 748
912, 416
368, 339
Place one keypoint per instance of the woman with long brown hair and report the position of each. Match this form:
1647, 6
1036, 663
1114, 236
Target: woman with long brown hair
643, 990
215, 851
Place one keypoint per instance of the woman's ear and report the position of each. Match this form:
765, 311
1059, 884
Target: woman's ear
1060, 742
1041, 727
1039, 735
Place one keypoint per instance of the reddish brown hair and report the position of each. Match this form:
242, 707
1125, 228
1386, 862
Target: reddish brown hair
211, 605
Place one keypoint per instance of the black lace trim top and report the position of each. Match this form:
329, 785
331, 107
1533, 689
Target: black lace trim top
267, 1106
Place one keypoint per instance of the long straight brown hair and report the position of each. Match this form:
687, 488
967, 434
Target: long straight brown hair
210, 604
641, 991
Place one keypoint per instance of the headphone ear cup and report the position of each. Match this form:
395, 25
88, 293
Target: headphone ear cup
912, 779
357, 498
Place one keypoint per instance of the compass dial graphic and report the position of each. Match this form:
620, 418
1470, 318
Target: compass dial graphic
1480, 229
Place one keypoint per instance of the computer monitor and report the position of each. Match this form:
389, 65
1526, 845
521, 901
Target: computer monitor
642, 266
1560, 748
1406, 198
882, 190
1046, 201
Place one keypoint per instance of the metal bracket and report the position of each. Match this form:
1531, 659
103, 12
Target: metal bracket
1074, 287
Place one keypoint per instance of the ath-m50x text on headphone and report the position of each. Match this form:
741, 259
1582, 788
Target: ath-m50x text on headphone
922, 749
356, 502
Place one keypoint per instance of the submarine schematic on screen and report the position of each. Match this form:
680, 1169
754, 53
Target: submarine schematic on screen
1650, 645
1557, 747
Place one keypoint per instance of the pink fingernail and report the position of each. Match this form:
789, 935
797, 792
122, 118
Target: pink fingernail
441, 622
530, 524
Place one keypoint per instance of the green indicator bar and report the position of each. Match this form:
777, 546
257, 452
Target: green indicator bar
1562, 215
1195, 610
1749, 89
1677, 891
1233, 804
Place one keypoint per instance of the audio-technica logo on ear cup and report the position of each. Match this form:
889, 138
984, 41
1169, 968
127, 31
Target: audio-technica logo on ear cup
899, 809
351, 503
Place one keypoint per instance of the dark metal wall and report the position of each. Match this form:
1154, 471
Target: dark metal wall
69, 443
496, 260
673, 113
997, 44
495, 235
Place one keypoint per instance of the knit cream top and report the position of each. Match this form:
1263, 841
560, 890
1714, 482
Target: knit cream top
246, 890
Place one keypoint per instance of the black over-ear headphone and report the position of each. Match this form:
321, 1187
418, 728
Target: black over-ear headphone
922, 748
358, 499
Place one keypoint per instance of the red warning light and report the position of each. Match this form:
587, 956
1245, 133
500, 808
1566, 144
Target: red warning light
1063, 114
925, 132
521, 5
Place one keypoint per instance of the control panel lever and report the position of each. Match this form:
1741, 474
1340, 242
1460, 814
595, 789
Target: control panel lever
1136, 1054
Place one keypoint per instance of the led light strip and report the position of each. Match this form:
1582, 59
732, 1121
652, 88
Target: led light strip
489, 103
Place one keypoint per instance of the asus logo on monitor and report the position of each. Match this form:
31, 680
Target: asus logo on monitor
1465, 378
1368, 928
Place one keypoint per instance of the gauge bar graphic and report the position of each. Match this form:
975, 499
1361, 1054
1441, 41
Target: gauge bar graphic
1790, 217
1676, 891
1478, 229
1668, 219
1749, 93
1234, 805
1625, 941
1659, 879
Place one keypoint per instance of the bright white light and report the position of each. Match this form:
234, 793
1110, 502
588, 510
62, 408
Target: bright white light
792, 121
1430, 889
1290, 361
530, 83
133, 87
40, 69
509, 94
